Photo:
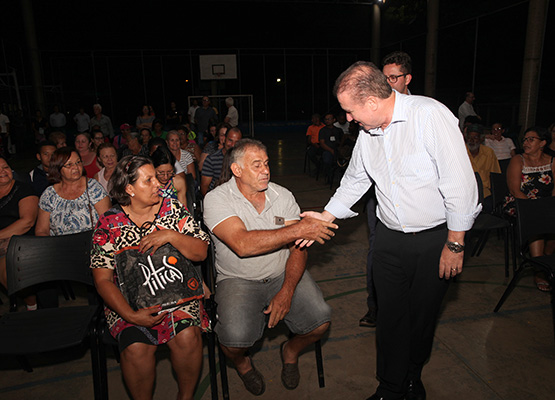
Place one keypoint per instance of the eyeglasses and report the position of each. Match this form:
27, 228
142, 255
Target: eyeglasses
393, 78
498, 129
71, 165
530, 139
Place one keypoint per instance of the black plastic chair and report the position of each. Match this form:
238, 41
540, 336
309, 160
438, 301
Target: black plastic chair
499, 190
32, 261
484, 224
534, 217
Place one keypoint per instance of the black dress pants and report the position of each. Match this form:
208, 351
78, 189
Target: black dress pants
409, 294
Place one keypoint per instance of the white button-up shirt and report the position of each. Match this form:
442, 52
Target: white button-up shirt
420, 167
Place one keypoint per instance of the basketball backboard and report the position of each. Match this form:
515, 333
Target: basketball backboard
222, 66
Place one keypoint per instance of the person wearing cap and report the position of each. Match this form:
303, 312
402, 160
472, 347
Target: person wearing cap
121, 139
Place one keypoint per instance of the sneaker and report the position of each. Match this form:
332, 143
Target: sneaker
369, 319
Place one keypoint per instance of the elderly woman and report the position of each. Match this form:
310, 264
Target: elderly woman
171, 185
18, 213
183, 157
107, 158
134, 146
144, 220
85, 147
74, 202
530, 176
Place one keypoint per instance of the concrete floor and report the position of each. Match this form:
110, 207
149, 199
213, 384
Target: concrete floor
477, 354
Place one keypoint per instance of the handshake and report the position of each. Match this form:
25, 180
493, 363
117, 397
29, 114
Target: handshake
314, 226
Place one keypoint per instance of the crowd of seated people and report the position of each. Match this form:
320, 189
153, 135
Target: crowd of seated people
330, 144
82, 183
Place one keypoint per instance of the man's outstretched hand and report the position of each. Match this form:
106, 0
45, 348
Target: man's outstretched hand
320, 223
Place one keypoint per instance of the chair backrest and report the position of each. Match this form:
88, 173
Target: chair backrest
499, 188
480, 187
535, 217
191, 194
31, 260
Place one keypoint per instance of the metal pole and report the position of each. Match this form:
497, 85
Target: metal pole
431, 49
34, 57
285, 82
475, 53
537, 17
375, 34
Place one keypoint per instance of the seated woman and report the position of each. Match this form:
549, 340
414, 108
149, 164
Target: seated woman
183, 157
71, 205
58, 138
530, 176
84, 146
171, 186
144, 219
18, 213
74, 202
107, 158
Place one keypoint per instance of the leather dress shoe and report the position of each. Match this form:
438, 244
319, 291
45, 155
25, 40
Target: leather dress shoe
415, 390
369, 319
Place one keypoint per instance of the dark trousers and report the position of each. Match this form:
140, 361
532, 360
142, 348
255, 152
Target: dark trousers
409, 293
372, 220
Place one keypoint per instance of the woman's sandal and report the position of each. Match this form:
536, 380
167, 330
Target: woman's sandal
543, 286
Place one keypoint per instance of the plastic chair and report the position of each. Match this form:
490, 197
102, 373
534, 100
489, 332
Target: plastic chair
484, 224
32, 261
534, 217
499, 190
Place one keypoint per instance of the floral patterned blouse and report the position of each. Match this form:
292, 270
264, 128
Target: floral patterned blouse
535, 182
72, 216
115, 231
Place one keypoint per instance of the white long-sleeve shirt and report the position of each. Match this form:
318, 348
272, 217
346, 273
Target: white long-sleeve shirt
420, 167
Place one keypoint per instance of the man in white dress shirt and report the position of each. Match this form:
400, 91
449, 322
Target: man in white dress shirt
411, 149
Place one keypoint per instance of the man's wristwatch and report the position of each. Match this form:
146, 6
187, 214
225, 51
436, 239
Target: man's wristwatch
455, 247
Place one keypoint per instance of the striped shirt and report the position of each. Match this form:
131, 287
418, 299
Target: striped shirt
212, 167
420, 167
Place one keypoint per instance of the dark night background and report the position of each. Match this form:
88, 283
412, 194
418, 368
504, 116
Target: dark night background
306, 42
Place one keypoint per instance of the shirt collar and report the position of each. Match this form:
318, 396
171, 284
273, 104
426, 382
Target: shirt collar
399, 114
270, 193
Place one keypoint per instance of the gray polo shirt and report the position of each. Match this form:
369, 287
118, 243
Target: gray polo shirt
227, 201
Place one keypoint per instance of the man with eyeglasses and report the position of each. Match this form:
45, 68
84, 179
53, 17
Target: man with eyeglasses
397, 68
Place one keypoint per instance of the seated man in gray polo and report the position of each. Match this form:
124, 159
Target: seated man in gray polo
261, 274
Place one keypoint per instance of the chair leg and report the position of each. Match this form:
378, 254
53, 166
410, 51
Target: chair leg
483, 242
99, 368
506, 251
223, 373
24, 363
509, 289
212, 365
319, 363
